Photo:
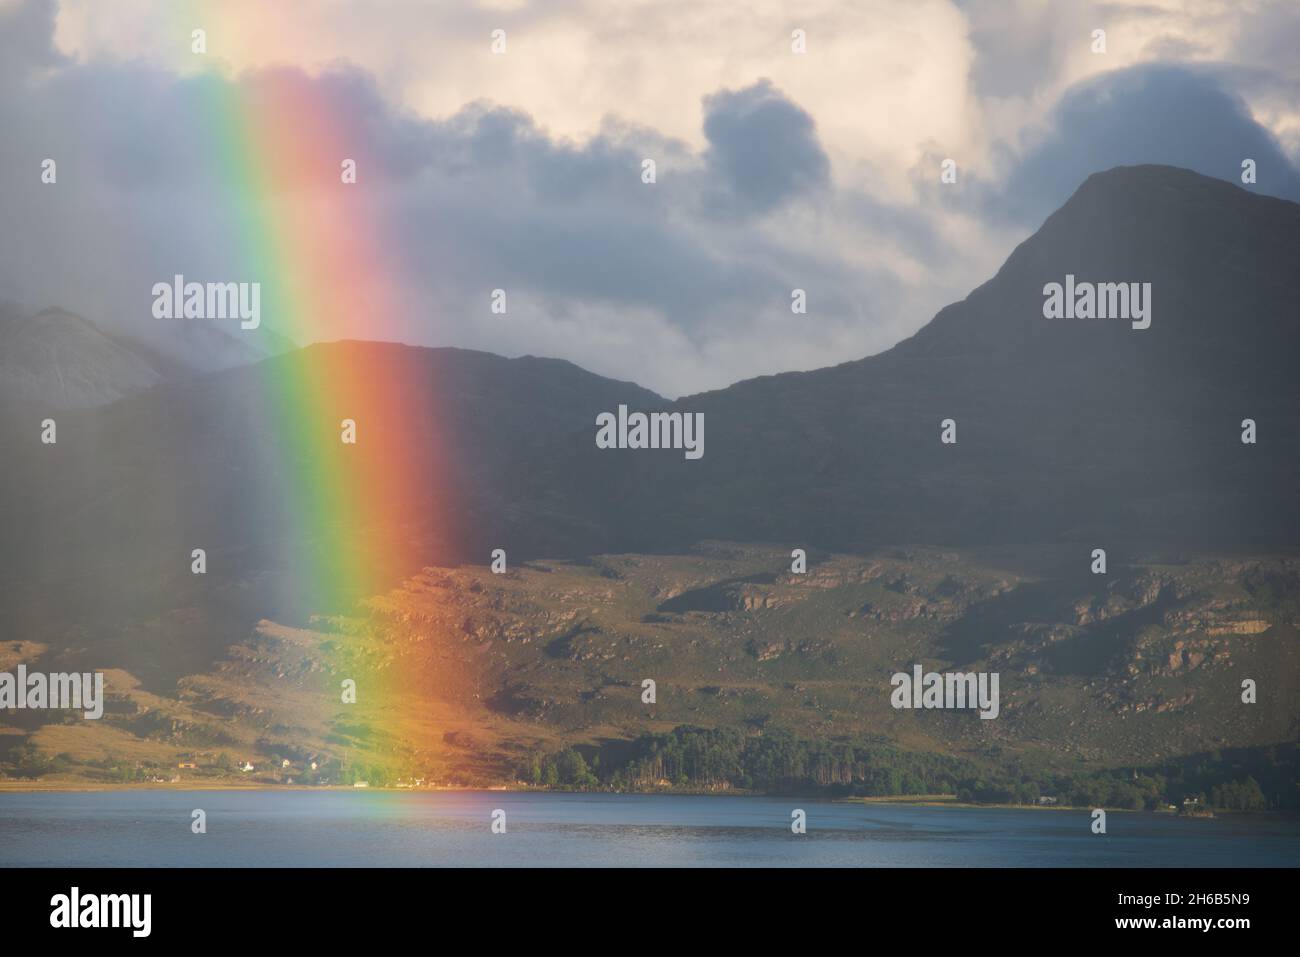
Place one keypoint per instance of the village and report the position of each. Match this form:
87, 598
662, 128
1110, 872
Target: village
217, 769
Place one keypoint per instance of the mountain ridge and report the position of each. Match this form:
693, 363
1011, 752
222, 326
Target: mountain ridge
1084, 431
1071, 436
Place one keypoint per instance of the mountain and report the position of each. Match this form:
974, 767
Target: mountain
100, 525
468, 677
55, 360
185, 349
1072, 434
1080, 430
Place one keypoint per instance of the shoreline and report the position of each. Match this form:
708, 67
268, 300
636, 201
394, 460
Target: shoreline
908, 800
943, 800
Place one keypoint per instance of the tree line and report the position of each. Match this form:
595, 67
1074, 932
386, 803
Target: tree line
781, 762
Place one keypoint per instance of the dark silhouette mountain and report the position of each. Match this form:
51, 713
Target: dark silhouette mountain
1067, 431
103, 522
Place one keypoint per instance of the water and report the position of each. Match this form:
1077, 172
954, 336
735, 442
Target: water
401, 829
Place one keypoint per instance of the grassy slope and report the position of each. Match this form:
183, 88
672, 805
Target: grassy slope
460, 672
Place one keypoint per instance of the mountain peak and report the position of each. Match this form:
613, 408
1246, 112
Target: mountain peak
1154, 184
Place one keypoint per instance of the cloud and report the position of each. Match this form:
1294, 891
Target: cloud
763, 147
1016, 49
776, 171
660, 283
26, 39
1163, 114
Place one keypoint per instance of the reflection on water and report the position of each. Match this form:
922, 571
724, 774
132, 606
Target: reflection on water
402, 829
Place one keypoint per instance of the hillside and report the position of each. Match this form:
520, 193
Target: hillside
1071, 435
462, 675
1084, 431
55, 360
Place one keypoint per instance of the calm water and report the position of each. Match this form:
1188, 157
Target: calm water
331, 828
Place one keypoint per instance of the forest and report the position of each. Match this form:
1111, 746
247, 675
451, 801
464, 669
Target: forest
778, 762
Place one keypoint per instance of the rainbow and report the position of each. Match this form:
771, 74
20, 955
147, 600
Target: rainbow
335, 523
317, 245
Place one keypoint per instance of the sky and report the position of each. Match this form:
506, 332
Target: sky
522, 170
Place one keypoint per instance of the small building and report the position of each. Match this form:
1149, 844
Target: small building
188, 765
246, 766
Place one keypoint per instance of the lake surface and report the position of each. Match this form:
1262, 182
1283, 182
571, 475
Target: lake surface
419, 829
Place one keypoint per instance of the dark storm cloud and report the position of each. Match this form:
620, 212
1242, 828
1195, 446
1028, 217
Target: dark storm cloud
26, 39
498, 200
1172, 115
149, 186
763, 148
682, 284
